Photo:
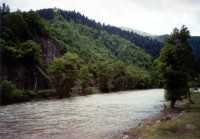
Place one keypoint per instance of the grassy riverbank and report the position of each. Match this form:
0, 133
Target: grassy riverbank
182, 123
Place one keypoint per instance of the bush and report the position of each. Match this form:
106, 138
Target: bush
10, 94
64, 73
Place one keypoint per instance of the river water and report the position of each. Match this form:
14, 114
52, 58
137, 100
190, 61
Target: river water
99, 116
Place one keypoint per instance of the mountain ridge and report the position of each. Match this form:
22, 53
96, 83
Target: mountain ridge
152, 44
147, 43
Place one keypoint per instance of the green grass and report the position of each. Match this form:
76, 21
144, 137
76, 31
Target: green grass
176, 127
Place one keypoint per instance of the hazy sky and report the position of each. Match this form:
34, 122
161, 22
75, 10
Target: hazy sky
151, 16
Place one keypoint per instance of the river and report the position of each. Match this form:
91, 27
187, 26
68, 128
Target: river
99, 116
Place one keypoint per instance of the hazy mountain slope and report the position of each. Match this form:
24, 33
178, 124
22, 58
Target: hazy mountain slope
142, 33
194, 42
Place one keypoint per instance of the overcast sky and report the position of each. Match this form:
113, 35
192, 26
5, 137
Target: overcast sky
151, 16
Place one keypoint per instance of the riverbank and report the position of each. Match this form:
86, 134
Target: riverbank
10, 94
180, 123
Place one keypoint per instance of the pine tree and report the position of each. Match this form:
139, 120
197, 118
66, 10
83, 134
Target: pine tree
175, 65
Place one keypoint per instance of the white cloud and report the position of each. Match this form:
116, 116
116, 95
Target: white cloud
152, 16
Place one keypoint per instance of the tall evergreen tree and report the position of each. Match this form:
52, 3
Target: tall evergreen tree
175, 65
4, 9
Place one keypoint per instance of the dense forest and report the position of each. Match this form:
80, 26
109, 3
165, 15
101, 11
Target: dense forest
150, 45
55, 53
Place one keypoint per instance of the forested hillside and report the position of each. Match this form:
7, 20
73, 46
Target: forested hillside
151, 46
55, 57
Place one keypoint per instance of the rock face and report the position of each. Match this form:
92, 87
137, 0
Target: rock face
166, 118
25, 77
125, 137
50, 49
32, 77
190, 127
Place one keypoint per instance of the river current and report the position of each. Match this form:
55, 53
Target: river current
99, 116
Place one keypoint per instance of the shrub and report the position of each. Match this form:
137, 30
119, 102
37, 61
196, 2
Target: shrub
10, 94
64, 73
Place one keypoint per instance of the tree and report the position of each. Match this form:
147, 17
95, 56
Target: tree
36, 25
15, 28
4, 9
28, 52
64, 72
175, 65
85, 78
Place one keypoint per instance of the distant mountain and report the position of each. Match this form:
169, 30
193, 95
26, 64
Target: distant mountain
160, 38
142, 33
194, 42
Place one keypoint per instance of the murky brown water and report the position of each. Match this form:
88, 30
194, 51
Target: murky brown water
101, 116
